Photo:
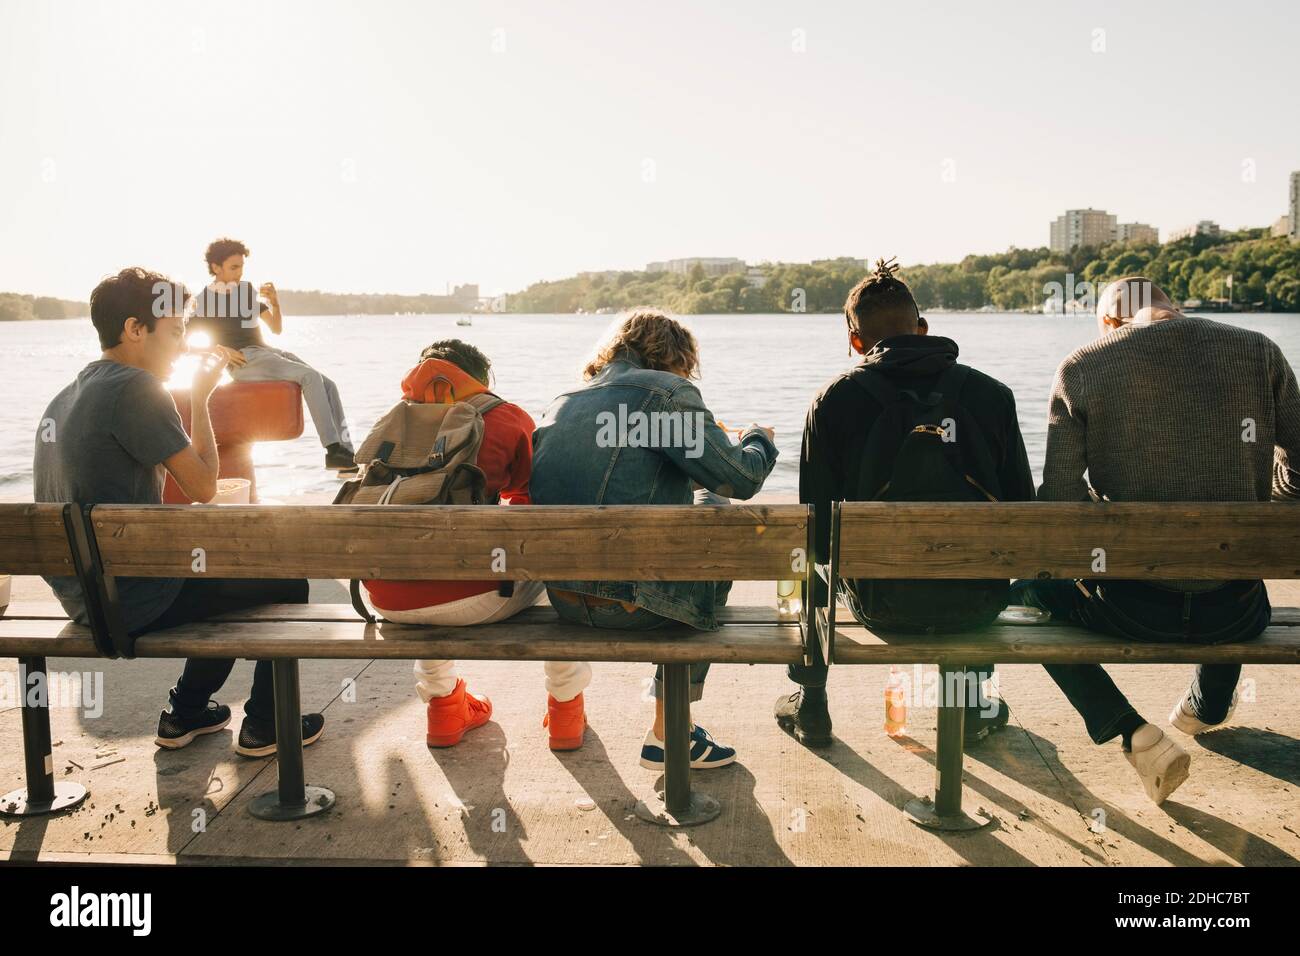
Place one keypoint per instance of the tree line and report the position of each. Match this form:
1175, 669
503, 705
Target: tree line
25, 308
20, 308
1265, 271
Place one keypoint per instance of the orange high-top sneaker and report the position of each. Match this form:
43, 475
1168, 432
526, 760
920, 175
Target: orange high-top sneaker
451, 716
567, 720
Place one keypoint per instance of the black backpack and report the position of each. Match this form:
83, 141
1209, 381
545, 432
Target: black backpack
925, 448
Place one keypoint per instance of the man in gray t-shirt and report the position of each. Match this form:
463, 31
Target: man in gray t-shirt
103, 440
112, 437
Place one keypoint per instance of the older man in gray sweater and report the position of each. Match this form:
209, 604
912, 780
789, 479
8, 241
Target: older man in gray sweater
1163, 407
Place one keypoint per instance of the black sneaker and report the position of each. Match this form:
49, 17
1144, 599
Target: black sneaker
979, 724
805, 716
338, 458
175, 732
257, 738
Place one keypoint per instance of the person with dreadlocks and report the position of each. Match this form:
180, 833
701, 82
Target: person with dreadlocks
908, 423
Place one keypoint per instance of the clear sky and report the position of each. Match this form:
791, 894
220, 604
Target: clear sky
391, 146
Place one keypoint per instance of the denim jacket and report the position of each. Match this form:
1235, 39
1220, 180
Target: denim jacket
592, 448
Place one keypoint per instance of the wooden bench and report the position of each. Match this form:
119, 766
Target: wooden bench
1046, 540
666, 543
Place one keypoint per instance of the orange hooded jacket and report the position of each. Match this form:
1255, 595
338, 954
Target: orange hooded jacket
506, 457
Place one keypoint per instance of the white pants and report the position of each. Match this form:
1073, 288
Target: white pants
565, 680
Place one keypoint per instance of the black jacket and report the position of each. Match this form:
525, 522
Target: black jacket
841, 417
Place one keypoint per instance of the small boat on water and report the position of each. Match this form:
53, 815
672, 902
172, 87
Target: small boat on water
464, 320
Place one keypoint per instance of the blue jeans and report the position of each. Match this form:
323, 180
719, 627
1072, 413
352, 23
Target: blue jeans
1237, 611
615, 617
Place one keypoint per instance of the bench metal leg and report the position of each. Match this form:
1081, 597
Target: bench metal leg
41, 795
678, 805
293, 799
944, 812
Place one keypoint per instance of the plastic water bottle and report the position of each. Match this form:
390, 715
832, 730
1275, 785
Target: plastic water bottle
895, 704
788, 601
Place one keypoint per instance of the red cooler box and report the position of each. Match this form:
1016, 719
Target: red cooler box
243, 413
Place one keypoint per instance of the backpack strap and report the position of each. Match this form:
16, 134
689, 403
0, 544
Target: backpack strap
484, 402
952, 381
358, 604
949, 386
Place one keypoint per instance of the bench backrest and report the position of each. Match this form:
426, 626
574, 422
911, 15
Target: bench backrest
1208, 541
34, 540
663, 543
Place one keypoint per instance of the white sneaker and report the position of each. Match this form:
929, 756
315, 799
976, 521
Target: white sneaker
1185, 719
1161, 763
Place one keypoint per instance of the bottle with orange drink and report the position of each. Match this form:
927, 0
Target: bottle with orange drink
895, 704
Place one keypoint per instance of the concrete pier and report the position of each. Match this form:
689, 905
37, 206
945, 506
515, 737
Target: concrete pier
502, 797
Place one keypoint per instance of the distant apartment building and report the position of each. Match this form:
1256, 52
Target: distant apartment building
466, 295
755, 277
1295, 207
711, 267
1082, 227
841, 261
1206, 227
1281, 228
1137, 232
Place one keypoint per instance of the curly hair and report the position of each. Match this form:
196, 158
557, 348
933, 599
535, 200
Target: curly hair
219, 250
662, 343
462, 355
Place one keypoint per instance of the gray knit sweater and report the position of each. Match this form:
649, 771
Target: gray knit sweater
1164, 412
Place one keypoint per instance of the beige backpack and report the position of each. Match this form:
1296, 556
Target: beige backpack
421, 454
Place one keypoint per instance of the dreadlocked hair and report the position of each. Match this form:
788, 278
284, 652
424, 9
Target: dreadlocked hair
880, 296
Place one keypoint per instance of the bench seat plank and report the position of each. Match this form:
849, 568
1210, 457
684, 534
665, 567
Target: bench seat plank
1050, 644
355, 640
45, 638
758, 614
538, 614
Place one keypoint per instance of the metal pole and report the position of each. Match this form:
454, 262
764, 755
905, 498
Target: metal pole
948, 755
38, 754
293, 798
41, 795
677, 745
288, 732
945, 811
678, 805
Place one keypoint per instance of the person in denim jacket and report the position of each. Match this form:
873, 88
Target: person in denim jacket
592, 448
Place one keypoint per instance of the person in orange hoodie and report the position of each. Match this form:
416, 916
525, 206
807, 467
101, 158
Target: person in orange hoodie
506, 457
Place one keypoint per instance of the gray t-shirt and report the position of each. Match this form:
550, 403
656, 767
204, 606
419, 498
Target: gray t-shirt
102, 441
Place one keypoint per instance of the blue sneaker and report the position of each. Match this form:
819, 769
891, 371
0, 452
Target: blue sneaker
705, 751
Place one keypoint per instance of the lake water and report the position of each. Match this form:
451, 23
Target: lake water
762, 368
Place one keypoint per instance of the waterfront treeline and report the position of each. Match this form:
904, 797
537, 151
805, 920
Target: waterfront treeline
1265, 271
